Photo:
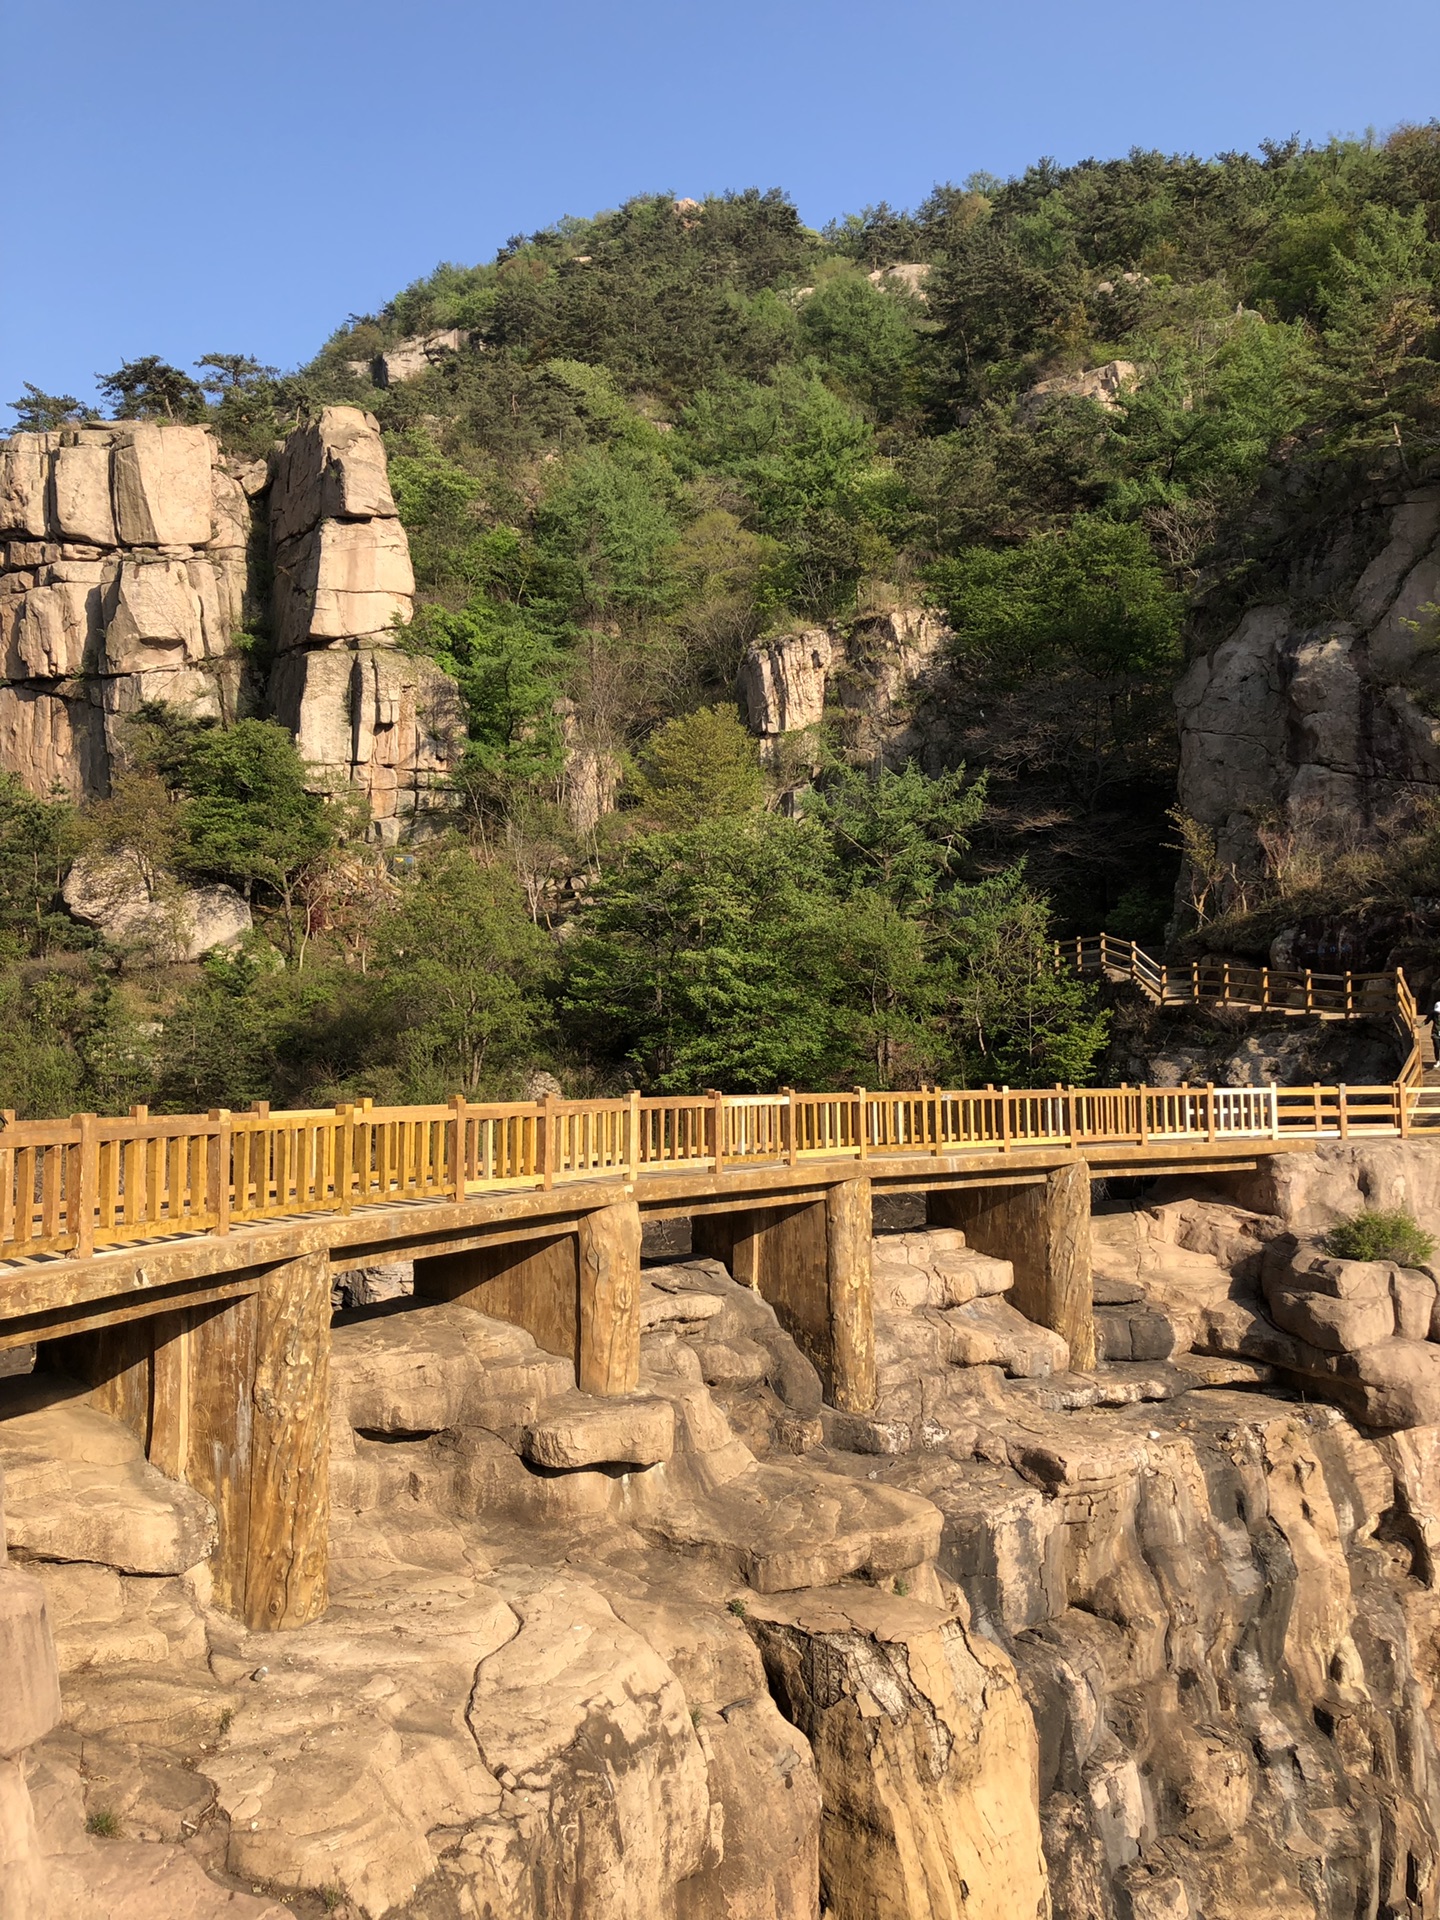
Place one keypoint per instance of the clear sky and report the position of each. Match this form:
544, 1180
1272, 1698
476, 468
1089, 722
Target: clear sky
194, 178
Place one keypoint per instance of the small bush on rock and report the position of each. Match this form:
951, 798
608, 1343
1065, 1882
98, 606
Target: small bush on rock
1381, 1234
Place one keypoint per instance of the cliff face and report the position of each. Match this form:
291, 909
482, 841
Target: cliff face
124, 576
135, 557
1321, 712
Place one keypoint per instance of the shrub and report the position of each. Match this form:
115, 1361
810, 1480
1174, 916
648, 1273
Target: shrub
1381, 1234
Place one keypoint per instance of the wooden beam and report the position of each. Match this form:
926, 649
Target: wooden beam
287, 1561
59, 1322
219, 1374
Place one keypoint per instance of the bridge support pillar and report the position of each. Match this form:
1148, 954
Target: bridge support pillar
1044, 1230
849, 1297
811, 1263
287, 1559
609, 1261
576, 1293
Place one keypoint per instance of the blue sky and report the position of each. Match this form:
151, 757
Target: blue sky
187, 179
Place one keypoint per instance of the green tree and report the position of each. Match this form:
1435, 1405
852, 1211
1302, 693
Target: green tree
38, 840
40, 412
511, 668
1092, 597
707, 958
899, 831
249, 816
702, 766
150, 388
463, 971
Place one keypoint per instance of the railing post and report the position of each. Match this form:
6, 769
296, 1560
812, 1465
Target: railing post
1309, 991
1210, 1110
789, 1140
1317, 1107
1144, 1115
1004, 1119
1195, 981
1264, 986
1349, 994
549, 1139
87, 1197
1343, 1115
717, 1123
633, 1157
862, 1129
457, 1169
345, 1167
217, 1169
1402, 1095
1274, 1111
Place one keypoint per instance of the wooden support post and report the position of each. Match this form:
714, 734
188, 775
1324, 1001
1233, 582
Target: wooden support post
849, 1299
609, 1264
217, 1370
787, 1122
1044, 1231
287, 1560
457, 1168
217, 1170
87, 1194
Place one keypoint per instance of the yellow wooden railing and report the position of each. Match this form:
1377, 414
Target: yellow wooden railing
87, 1183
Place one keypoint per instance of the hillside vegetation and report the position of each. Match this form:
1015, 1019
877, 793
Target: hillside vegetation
677, 428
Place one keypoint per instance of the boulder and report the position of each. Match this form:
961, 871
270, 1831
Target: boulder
925, 1749
133, 908
78, 1486
991, 1333
342, 580
415, 355
626, 1430
24, 479
151, 608
1106, 386
30, 1702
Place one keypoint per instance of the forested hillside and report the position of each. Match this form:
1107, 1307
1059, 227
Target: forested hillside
1076, 413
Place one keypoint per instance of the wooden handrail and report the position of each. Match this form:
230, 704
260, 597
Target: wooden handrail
85, 1184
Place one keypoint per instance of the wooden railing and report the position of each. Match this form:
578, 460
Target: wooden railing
80, 1185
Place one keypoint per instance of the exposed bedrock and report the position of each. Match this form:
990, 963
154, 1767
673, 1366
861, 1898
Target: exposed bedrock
1325, 721
1154, 1641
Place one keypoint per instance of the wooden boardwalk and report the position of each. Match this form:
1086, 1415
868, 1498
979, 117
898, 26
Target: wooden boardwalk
182, 1266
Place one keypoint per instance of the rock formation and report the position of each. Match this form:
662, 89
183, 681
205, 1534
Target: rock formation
123, 579
133, 557
1106, 386
875, 672
1323, 720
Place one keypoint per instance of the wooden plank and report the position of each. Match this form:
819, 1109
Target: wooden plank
58, 1323
608, 1259
287, 1557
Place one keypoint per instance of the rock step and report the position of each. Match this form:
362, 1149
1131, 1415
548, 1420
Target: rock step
630, 1430
422, 1369
791, 1527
